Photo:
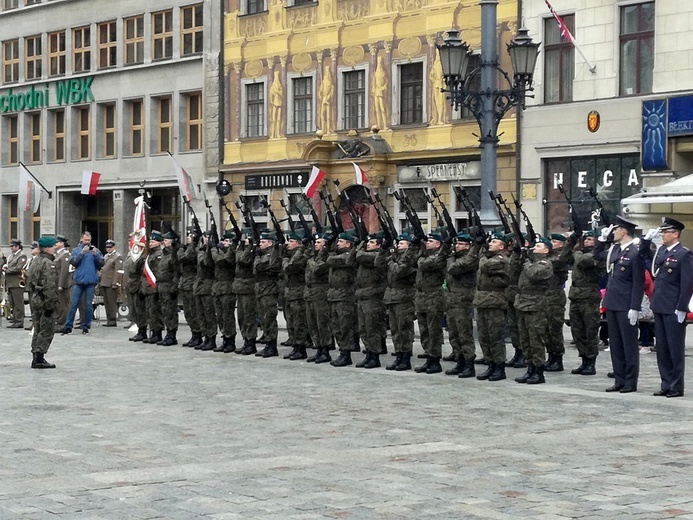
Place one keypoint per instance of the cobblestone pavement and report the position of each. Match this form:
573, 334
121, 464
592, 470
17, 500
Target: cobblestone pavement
131, 431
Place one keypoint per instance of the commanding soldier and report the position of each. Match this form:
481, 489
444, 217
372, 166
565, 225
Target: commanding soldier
342, 264
317, 306
399, 298
244, 289
187, 263
371, 279
203, 295
556, 302
461, 269
530, 303
167, 279
491, 305
224, 300
430, 301
15, 281
153, 304
268, 269
294, 269
110, 281
42, 282
62, 266
134, 268
584, 299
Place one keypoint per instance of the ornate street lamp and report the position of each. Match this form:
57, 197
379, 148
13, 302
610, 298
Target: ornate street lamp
488, 104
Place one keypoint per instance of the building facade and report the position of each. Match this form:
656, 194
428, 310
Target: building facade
108, 87
336, 83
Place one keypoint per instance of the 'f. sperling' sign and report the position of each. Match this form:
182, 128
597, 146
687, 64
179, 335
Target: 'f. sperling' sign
67, 92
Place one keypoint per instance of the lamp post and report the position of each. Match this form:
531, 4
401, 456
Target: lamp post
488, 104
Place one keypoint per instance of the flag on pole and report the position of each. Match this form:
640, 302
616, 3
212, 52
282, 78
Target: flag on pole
562, 27
138, 240
90, 181
29, 196
149, 274
316, 175
185, 182
360, 174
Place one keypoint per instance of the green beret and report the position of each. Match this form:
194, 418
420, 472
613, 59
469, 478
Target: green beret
546, 241
268, 235
156, 235
295, 235
499, 236
229, 234
347, 236
46, 242
169, 235
379, 235
589, 233
464, 237
557, 236
404, 236
435, 236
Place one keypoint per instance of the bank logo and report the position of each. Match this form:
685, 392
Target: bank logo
654, 135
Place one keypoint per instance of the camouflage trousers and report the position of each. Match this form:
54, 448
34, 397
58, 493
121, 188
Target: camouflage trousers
44, 329
459, 314
489, 322
169, 309
343, 318
246, 307
318, 320
190, 310
532, 335
429, 314
137, 304
555, 318
584, 325
205, 312
225, 310
296, 320
372, 326
511, 320
154, 320
402, 316
267, 310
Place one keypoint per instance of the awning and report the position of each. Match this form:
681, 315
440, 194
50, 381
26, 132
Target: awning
678, 191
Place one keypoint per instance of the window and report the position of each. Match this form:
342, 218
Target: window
56, 53
134, 40
475, 84
302, 105
83, 132
34, 57
35, 134
136, 128
9, 4
109, 130
417, 197
354, 99
162, 35
297, 204
164, 124
257, 203
254, 6
108, 40
81, 49
13, 217
637, 48
12, 133
255, 109
303, 2
10, 61
411, 93
191, 29
165, 204
58, 134
98, 218
36, 223
559, 61
32, 2
194, 122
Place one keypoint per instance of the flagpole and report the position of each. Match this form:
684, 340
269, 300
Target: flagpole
50, 193
592, 68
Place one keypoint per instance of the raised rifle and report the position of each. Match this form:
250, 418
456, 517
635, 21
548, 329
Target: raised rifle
249, 220
514, 224
234, 222
531, 234
313, 214
357, 221
501, 213
213, 231
277, 226
452, 230
577, 226
195, 221
386, 214
439, 218
468, 206
292, 224
334, 218
387, 233
600, 213
411, 215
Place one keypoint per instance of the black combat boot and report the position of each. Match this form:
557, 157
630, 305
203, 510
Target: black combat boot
434, 365
196, 340
141, 334
288, 343
187, 343
517, 358
161, 341
249, 348
170, 338
293, 350
524, 377
373, 362
230, 345
40, 362
270, 349
423, 368
556, 365
323, 355
211, 343
397, 361
498, 372
222, 346
154, 338
451, 357
365, 360
343, 360
489, 370
311, 359
581, 368
469, 370
299, 353
537, 377
405, 364
458, 368
590, 368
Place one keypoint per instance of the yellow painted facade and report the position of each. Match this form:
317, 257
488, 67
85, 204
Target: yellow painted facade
326, 39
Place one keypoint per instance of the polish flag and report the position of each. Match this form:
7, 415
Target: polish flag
185, 182
562, 27
29, 196
90, 180
360, 174
149, 274
316, 175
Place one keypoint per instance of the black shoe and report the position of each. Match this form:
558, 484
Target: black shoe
343, 360
450, 357
397, 361
590, 368
610, 375
249, 348
365, 360
674, 393
141, 334
556, 364
630, 389
311, 359
109, 325
209, 344
423, 368
405, 364
615, 388
516, 359
17, 325
170, 338
661, 393
85, 331
498, 372
287, 343
270, 349
524, 377
323, 355
293, 350
373, 362
65, 331
581, 368
489, 370
230, 345
196, 341
434, 366
222, 346
300, 353
469, 370
537, 376
458, 368
40, 362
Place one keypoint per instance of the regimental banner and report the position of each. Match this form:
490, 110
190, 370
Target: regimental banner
276, 180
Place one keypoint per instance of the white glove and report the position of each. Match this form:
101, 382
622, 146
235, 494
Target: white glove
605, 233
651, 234
681, 316
633, 317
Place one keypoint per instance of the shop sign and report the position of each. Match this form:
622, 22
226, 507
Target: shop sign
276, 180
67, 92
440, 172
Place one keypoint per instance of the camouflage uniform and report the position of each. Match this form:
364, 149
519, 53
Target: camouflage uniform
491, 304
42, 283
514, 270
244, 289
167, 280
342, 264
202, 289
315, 294
224, 298
187, 263
267, 269
430, 299
136, 297
459, 301
555, 316
153, 304
294, 269
371, 279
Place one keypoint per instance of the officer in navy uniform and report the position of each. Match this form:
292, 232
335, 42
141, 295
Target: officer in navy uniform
622, 301
672, 272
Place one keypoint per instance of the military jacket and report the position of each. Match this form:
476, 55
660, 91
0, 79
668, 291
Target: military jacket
626, 268
371, 277
342, 264
672, 272
244, 281
224, 269
294, 270
461, 271
134, 272
587, 271
42, 283
430, 270
187, 264
112, 270
535, 280
62, 266
16, 262
153, 259
317, 275
167, 274
205, 271
267, 268
560, 269
492, 280
401, 275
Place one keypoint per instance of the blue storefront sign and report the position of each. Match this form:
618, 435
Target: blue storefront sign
680, 116
653, 150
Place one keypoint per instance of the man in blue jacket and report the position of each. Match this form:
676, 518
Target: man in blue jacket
87, 260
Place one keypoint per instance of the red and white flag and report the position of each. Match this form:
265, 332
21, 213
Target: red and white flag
138, 240
149, 274
316, 175
29, 196
185, 182
360, 174
562, 27
90, 181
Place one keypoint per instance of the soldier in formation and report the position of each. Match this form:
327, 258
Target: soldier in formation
42, 283
110, 281
15, 282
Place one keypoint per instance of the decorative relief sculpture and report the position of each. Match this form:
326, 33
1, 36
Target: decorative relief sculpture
254, 26
438, 104
352, 9
276, 99
326, 96
379, 93
301, 18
